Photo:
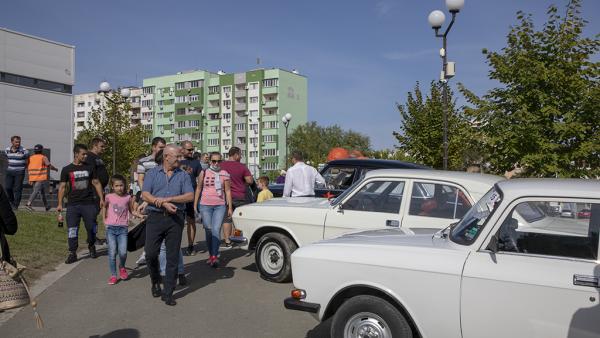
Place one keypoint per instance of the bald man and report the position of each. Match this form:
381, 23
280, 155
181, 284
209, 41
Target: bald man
166, 189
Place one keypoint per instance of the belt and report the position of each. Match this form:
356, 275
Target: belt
165, 213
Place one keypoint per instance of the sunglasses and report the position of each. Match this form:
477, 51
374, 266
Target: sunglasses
216, 161
190, 149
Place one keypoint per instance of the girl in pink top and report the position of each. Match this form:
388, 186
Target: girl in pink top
213, 199
118, 207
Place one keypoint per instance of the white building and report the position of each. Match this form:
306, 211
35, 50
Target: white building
83, 104
36, 102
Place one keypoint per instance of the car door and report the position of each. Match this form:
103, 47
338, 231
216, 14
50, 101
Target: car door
376, 203
537, 276
434, 205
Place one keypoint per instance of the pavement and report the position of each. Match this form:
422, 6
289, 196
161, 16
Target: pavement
231, 301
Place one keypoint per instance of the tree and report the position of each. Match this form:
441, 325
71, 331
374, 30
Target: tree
421, 134
315, 141
545, 114
108, 121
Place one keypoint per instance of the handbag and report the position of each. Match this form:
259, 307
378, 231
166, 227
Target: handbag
136, 238
14, 291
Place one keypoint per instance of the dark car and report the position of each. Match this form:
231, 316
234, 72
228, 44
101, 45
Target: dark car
341, 174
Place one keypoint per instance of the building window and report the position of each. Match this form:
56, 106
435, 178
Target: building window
254, 141
254, 127
269, 152
241, 140
213, 90
196, 136
80, 114
240, 126
181, 124
148, 90
214, 129
253, 113
35, 83
270, 82
254, 99
271, 125
180, 85
80, 124
80, 104
195, 84
227, 116
227, 103
269, 138
194, 123
270, 166
227, 90
254, 153
160, 115
213, 142
194, 98
253, 86
227, 130
147, 103
227, 142
180, 99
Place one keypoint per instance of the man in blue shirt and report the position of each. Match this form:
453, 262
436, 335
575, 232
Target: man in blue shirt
15, 173
166, 190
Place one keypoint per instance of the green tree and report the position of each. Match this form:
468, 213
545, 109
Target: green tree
421, 134
315, 141
113, 120
545, 114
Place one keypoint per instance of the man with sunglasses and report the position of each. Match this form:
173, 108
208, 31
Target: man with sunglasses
193, 168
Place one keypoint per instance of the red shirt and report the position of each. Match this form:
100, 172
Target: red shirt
237, 171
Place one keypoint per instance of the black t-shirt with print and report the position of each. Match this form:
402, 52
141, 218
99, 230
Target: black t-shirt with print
79, 179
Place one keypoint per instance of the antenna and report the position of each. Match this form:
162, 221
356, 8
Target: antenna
258, 61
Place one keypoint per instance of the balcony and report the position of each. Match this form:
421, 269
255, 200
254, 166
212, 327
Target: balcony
240, 106
212, 110
270, 90
270, 104
240, 93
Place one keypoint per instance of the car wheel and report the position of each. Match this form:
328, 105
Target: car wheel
369, 316
273, 257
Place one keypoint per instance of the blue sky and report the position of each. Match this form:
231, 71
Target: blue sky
360, 56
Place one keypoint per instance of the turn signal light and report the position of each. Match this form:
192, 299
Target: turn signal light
298, 294
237, 232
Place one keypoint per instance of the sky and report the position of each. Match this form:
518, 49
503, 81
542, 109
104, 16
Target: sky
360, 56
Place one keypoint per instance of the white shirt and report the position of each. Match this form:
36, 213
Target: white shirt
300, 180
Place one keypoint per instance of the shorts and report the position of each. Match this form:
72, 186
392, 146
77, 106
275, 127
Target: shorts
236, 203
189, 210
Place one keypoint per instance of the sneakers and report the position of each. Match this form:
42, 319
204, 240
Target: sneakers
112, 280
190, 250
155, 289
28, 207
226, 246
213, 261
182, 280
123, 274
92, 249
141, 260
72, 258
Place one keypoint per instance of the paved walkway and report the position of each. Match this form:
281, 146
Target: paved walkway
232, 301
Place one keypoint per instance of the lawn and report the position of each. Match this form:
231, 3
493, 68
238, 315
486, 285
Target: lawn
40, 244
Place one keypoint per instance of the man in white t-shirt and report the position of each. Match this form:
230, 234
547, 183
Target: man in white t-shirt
301, 178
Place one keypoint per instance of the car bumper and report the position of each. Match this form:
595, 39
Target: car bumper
298, 305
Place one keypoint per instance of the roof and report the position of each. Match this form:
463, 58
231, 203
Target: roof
37, 38
377, 163
472, 181
550, 187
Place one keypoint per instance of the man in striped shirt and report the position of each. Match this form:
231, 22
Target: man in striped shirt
15, 173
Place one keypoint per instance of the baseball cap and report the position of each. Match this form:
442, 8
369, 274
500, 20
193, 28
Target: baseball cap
38, 147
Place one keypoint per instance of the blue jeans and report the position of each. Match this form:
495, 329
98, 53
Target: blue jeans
212, 219
13, 184
116, 237
162, 260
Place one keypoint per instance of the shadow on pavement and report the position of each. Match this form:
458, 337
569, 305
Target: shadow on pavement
320, 331
121, 333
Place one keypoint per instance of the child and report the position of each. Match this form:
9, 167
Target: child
265, 193
118, 207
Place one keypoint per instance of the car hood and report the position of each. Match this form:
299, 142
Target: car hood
296, 202
390, 237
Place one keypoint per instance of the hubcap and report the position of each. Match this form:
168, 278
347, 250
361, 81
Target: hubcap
366, 325
271, 258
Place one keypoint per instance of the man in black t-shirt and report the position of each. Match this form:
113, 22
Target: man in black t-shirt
83, 184
193, 168
97, 146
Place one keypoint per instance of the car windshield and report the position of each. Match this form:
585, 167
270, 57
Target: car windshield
469, 227
345, 193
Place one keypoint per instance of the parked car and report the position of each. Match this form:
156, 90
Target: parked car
584, 213
506, 269
339, 175
567, 213
416, 201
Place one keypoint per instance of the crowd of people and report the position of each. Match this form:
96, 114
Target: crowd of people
172, 188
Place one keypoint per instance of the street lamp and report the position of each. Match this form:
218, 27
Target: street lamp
436, 20
286, 122
125, 94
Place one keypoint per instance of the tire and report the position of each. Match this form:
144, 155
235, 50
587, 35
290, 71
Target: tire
273, 257
364, 312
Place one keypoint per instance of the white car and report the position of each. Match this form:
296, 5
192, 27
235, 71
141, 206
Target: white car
511, 267
416, 201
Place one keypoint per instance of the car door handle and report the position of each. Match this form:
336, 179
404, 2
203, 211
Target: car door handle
392, 223
584, 280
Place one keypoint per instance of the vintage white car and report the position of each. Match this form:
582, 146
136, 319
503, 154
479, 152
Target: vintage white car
416, 201
511, 267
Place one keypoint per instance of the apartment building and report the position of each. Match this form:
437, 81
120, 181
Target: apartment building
218, 110
83, 104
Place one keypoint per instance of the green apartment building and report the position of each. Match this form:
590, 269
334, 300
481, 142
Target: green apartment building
217, 111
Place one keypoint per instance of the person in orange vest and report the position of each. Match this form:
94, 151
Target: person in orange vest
37, 169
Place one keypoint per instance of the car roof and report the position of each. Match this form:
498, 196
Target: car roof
471, 181
549, 187
376, 163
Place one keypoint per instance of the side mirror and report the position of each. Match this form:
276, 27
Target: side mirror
493, 245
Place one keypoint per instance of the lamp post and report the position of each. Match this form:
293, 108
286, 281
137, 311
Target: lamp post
286, 122
436, 19
125, 94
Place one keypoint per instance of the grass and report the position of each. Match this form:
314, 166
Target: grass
40, 244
